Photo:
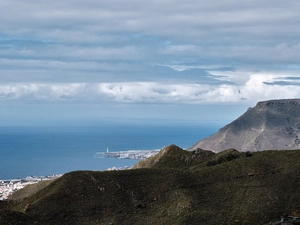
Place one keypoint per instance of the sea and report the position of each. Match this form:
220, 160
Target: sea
48, 150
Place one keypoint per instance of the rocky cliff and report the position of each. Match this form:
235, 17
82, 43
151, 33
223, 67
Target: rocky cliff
271, 125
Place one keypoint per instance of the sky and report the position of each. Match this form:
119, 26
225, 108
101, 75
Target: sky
136, 60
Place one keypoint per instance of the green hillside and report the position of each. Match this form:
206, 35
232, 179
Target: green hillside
173, 187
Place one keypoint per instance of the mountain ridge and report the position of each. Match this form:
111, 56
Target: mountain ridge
270, 125
229, 187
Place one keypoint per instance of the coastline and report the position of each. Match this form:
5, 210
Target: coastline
9, 186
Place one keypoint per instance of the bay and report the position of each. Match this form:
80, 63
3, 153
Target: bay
46, 150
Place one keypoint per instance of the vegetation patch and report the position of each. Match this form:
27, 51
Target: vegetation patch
173, 187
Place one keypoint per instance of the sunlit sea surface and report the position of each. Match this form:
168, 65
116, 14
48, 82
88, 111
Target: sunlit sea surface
39, 151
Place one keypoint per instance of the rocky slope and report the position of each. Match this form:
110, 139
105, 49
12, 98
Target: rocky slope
270, 125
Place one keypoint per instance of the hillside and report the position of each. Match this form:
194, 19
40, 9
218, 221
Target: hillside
173, 187
271, 125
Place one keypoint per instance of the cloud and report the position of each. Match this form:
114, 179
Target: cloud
258, 87
281, 53
48, 50
37, 92
152, 92
131, 51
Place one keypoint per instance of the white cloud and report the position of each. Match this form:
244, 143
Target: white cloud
42, 92
258, 87
153, 92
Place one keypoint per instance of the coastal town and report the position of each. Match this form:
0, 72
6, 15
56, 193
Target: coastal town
129, 154
7, 187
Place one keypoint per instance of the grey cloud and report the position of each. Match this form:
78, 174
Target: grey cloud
125, 41
283, 83
199, 19
291, 78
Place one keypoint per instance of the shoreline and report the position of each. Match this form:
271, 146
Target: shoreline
9, 186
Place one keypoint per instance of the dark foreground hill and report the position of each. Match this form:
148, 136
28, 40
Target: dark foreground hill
173, 187
271, 125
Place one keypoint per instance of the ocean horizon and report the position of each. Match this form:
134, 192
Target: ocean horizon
47, 150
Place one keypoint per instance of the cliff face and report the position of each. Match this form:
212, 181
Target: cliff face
270, 125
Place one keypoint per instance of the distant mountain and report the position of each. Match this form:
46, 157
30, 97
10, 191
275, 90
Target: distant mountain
270, 125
